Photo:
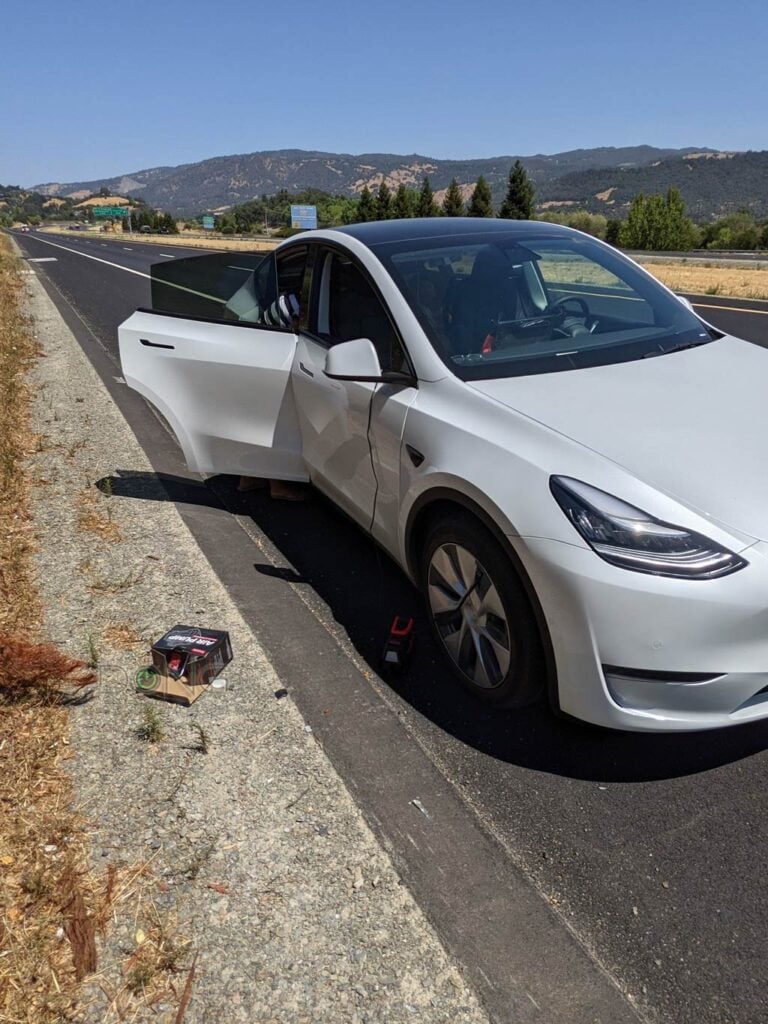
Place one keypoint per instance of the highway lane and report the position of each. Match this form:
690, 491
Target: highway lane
651, 847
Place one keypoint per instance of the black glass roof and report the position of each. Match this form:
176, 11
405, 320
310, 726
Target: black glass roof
384, 231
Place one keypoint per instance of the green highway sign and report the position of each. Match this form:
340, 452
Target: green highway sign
110, 211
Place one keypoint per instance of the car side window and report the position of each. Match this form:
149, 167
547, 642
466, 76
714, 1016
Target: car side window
291, 267
213, 287
272, 295
349, 308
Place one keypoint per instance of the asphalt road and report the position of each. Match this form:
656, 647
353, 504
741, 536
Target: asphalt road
649, 847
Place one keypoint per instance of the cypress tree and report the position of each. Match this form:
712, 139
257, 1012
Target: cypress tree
402, 205
427, 207
481, 203
383, 202
366, 208
453, 204
518, 203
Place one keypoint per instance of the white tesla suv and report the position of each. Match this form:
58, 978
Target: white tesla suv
555, 448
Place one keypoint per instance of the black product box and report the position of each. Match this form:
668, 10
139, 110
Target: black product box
191, 655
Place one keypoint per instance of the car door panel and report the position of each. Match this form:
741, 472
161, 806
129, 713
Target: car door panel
224, 388
388, 417
333, 419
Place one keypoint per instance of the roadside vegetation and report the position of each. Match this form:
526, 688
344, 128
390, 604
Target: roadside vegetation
54, 906
50, 904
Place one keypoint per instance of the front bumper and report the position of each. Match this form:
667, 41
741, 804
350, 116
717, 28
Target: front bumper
647, 653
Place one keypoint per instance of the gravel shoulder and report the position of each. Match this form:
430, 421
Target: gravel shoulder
258, 860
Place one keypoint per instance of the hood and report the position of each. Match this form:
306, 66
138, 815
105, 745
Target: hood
692, 424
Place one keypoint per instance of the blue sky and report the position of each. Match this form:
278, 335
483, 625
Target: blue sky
91, 89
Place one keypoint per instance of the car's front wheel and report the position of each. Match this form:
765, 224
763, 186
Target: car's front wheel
480, 613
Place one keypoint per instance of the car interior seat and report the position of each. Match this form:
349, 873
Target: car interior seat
490, 292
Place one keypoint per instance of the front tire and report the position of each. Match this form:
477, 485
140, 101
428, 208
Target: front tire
480, 614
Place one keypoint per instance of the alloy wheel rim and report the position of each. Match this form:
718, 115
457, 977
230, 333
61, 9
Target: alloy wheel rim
469, 615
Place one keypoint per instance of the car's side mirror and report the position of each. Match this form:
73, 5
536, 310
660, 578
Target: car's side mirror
358, 360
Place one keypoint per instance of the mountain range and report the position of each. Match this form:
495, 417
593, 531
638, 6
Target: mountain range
603, 179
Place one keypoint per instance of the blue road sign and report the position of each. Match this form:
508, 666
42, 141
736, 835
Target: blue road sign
303, 216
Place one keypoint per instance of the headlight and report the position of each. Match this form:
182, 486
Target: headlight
626, 536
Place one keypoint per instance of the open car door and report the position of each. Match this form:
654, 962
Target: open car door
221, 382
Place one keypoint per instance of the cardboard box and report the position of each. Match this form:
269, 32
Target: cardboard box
184, 663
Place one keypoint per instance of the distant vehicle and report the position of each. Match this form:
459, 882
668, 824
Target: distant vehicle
145, 229
24, 228
553, 446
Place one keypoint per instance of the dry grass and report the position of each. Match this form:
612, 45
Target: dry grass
50, 905
95, 515
100, 584
238, 244
122, 637
695, 278
18, 602
53, 906
733, 282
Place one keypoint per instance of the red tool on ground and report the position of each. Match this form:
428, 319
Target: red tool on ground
399, 645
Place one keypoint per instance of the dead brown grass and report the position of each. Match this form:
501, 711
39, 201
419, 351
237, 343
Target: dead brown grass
98, 583
18, 350
95, 515
47, 908
237, 244
122, 637
731, 282
53, 906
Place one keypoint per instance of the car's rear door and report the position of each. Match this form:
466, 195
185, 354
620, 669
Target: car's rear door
221, 379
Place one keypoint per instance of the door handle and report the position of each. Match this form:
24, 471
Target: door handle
154, 344
303, 369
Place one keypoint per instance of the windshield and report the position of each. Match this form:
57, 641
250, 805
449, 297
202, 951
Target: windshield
499, 305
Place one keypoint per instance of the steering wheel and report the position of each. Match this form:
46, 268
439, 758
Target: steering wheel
590, 322
558, 303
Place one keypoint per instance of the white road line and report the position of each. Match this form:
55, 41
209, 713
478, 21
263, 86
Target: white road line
167, 255
42, 259
87, 256
130, 270
729, 309
127, 249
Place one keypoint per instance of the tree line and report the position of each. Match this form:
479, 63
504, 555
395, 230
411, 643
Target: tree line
268, 213
384, 204
653, 222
